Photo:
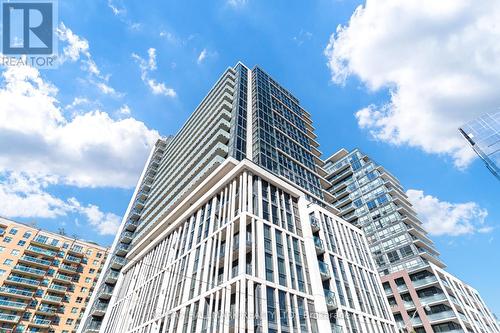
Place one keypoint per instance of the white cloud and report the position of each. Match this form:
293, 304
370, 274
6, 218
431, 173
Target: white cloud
445, 218
87, 149
77, 48
440, 61
202, 56
148, 66
125, 110
302, 37
25, 196
236, 3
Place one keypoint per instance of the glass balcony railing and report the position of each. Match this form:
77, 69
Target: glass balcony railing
21, 280
35, 260
26, 269
58, 288
47, 309
9, 317
52, 298
318, 243
12, 304
315, 225
68, 268
93, 326
433, 298
39, 250
323, 270
331, 301
15, 291
73, 259
41, 322
424, 281
62, 277
441, 315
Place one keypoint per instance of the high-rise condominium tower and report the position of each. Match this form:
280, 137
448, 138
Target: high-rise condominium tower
230, 229
423, 296
483, 134
45, 279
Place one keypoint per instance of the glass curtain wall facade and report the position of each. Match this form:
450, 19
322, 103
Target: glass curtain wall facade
483, 134
369, 197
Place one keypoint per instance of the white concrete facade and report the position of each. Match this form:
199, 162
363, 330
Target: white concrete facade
247, 252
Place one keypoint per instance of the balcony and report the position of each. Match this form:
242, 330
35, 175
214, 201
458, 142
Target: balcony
68, 269
52, 299
336, 328
11, 305
76, 251
15, 292
135, 214
432, 299
117, 262
39, 250
8, 318
105, 292
139, 203
45, 242
46, 310
93, 327
122, 249
441, 315
126, 237
111, 277
35, 261
318, 244
99, 309
323, 270
57, 288
425, 281
25, 270
63, 278
42, 323
72, 259
22, 281
331, 301
315, 225
131, 225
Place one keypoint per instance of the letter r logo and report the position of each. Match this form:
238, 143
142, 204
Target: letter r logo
27, 27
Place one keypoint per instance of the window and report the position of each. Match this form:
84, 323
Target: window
13, 231
74, 310
91, 271
95, 262
15, 252
99, 255
27, 235
2, 272
65, 245
79, 299
7, 262
69, 321
7, 239
21, 243
83, 289
87, 280
2, 249
89, 252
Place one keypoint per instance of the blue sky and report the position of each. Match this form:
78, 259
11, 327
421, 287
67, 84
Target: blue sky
393, 81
